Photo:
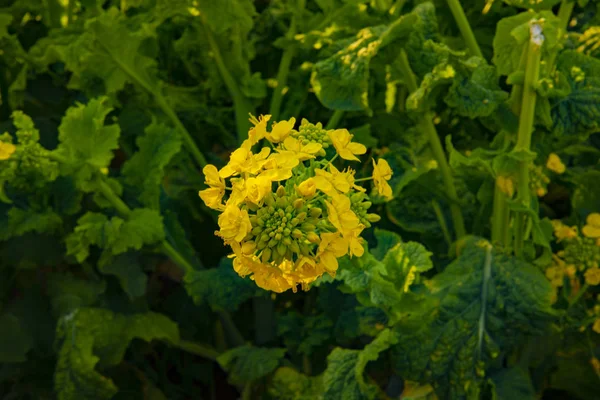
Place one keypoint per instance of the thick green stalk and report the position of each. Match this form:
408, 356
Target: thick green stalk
465, 27
241, 104
526, 120
500, 216
335, 119
284, 64
564, 13
428, 128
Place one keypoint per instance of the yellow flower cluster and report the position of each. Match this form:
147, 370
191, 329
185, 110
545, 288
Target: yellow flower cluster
287, 212
6, 150
580, 258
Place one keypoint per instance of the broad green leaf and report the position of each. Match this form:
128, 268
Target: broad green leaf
68, 293
512, 36
145, 169
91, 336
386, 240
227, 14
344, 376
425, 28
359, 321
470, 86
222, 288
127, 269
341, 82
15, 339
577, 115
86, 144
486, 302
303, 334
142, 227
586, 196
289, 384
533, 5
512, 383
20, 222
247, 363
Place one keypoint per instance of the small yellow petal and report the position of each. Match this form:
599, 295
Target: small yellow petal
6, 150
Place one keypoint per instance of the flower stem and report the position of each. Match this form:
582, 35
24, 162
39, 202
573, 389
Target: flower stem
500, 217
526, 121
197, 349
284, 64
440, 216
241, 104
437, 149
465, 27
335, 119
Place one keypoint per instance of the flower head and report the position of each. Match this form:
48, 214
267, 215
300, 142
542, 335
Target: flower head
382, 173
592, 227
6, 150
289, 214
555, 164
342, 141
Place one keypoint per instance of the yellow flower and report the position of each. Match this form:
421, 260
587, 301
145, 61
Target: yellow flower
298, 150
332, 247
258, 132
506, 185
596, 329
342, 141
6, 150
555, 164
334, 182
265, 276
592, 276
555, 275
592, 228
234, 223
213, 196
381, 174
280, 130
308, 188
257, 188
341, 215
562, 231
279, 167
242, 160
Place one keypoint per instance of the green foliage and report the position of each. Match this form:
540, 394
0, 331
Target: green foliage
246, 363
483, 304
113, 284
90, 336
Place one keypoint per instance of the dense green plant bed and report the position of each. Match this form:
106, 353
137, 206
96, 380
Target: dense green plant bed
299, 199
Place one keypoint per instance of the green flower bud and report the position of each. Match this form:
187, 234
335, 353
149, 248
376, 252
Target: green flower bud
294, 247
248, 247
313, 238
266, 255
315, 212
256, 231
302, 216
308, 227
264, 237
295, 221
298, 204
278, 236
281, 249
297, 233
373, 218
287, 241
366, 205
261, 245
282, 202
273, 242
269, 201
280, 191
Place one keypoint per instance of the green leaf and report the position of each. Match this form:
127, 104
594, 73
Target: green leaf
486, 302
67, 293
341, 82
386, 240
145, 169
222, 288
86, 144
533, 5
344, 376
247, 363
127, 269
22, 221
90, 336
142, 227
425, 28
577, 115
227, 14
289, 384
470, 85
303, 334
512, 35
512, 383
15, 339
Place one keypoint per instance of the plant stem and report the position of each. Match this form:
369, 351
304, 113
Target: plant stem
234, 334
526, 121
437, 149
241, 104
197, 349
564, 13
465, 27
579, 295
335, 119
112, 197
500, 216
487, 273
440, 216
284, 64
